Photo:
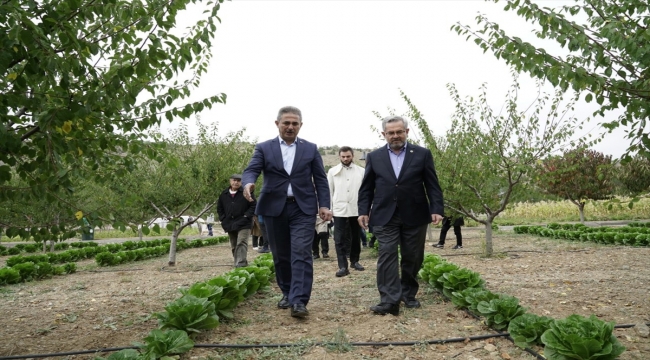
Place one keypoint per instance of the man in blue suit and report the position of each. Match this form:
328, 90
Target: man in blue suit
399, 196
295, 188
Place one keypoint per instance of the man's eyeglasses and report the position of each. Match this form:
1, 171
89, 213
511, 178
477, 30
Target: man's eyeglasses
393, 133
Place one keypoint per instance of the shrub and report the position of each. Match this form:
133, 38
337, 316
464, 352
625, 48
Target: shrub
14, 251
9, 276
43, 270
31, 248
27, 270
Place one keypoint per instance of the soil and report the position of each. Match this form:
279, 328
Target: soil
112, 307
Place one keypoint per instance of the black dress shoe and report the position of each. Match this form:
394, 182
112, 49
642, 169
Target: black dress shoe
325, 255
299, 311
357, 266
411, 303
316, 256
384, 308
342, 272
284, 302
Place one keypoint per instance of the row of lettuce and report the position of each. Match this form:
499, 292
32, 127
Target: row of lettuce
575, 337
36, 267
635, 234
200, 307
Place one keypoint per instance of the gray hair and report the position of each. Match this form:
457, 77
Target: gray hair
290, 110
391, 119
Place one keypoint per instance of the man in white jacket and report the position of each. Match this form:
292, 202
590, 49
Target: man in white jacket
344, 180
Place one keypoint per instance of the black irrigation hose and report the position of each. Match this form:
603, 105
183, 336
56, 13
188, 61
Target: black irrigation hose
391, 343
78, 352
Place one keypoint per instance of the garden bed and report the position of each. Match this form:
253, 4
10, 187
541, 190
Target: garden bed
99, 307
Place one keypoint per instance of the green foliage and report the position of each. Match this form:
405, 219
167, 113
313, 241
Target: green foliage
161, 344
9, 276
577, 337
607, 55
526, 330
81, 82
190, 314
484, 160
499, 312
27, 270
459, 280
634, 175
265, 261
436, 275
631, 236
578, 175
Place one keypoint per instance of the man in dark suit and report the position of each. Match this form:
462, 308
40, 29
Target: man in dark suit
401, 186
295, 188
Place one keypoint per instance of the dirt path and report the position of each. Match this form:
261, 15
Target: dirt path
111, 307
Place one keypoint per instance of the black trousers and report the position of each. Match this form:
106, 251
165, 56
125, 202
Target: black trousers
446, 225
322, 239
410, 240
346, 239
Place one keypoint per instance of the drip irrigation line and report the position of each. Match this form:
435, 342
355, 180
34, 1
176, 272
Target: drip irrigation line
250, 346
78, 352
196, 268
390, 343
121, 270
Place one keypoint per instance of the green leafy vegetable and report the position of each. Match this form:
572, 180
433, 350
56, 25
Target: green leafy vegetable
160, 344
460, 279
577, 337
527, 329
499, 312
190, 314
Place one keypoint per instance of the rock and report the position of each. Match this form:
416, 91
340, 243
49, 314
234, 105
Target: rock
642, 330
625, 267
505, 356
490, 348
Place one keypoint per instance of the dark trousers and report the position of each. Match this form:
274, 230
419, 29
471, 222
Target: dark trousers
446, 225
322, 240
290, 237
411, 241
346, 239
210, 230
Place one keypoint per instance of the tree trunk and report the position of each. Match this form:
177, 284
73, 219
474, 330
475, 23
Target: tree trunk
488, 238
140, 232
52, 245
172, 246
581, 207
45, 245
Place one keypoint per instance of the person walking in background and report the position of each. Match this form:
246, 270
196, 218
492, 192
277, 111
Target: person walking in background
294, 189
263, 247
401, 186
456, 221
321, 237
210, 223
256, 233
236, 215
344, 181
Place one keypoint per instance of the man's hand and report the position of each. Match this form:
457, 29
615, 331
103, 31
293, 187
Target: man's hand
436, 219
363, 221
248, 190
325, 214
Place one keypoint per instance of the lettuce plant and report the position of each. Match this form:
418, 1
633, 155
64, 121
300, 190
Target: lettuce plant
190, 314
9, 276
581, 338
430, 261
435, 275
161, 344
499, 312
527, 329
460, 279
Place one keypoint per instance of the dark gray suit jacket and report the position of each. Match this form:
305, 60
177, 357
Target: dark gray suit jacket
415, 194
308, 179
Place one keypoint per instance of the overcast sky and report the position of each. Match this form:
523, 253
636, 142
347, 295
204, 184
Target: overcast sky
338, 61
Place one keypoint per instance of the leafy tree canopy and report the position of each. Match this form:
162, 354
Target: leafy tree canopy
608, 55
81, 80
578, 175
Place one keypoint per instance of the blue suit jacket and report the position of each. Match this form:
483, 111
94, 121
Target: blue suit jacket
308, 179
415, 194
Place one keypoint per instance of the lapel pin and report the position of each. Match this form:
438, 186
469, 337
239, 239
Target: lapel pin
411, 150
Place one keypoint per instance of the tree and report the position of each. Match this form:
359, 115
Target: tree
189, 180
81, 80
578, 175
485, 159
635, 175
607, 56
